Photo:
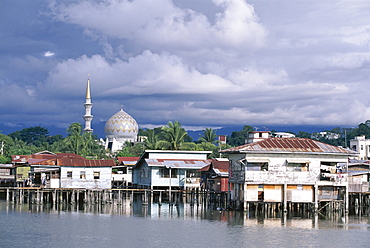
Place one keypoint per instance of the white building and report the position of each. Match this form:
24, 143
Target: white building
361, 145
158, 169
257, 136
120, 128
63, 170
88, 105
85, 174
287, 170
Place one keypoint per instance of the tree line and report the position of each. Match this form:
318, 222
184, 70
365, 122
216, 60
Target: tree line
170, 137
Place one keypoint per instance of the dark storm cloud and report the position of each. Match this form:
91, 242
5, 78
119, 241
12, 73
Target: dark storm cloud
201, 62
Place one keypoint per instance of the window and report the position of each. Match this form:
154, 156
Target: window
297, 166
165, 173
82, 174
96, 174
69, 174
260, 166
362, 147
192, 173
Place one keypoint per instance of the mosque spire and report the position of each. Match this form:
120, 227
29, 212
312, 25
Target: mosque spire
88, 105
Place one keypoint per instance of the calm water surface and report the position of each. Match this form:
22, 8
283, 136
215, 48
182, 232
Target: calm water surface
171, 226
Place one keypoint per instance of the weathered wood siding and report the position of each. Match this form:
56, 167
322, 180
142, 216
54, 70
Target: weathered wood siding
277, 170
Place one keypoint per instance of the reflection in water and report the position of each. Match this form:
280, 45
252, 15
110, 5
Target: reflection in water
181, 225
356, 219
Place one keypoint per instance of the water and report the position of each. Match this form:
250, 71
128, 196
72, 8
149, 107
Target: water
173, 226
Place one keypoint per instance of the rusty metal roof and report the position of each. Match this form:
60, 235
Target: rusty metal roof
289, 145
34, 158
86, 162
221, 168
177, 163
128, 160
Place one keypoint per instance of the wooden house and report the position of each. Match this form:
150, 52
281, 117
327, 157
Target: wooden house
215, 176
288, 170
64, 171
358, 176
160, 169
122, 173
27, 164
7, 175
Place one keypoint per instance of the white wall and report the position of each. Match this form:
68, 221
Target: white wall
104, 182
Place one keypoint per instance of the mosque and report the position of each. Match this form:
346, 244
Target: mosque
119, 128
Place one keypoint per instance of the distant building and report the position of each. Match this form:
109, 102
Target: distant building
361, 145
325, 135
222, 139
262, 135
88, 105
257, 136
120, 128
283, 135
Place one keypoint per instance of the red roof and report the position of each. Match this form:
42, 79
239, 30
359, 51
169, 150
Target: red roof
289, 145
35, 158
85, 162
122, 159
222, 166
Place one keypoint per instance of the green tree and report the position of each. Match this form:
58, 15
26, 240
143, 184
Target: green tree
152, 141
31, 135
302, 134
209, 135
174, 135
5, 144
73, 142
90, 146
80, 143
131, 150
238, 137
19, 147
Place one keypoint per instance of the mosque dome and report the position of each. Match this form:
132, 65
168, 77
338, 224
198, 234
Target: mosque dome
122, 127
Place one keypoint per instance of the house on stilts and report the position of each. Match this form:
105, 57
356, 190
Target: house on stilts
288, 171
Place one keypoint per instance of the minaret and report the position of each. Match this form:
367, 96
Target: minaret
88, 117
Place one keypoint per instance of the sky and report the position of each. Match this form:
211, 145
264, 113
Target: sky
204, 63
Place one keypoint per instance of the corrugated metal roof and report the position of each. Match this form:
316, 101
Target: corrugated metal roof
356, 173
37, 161
120, 159
289, 145
34, 158
85, 162
128, 160
176, 163
222, 166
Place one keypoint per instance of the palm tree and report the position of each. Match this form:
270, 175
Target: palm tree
174, 135
82, 143
209, 135
153, 140
73, 141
